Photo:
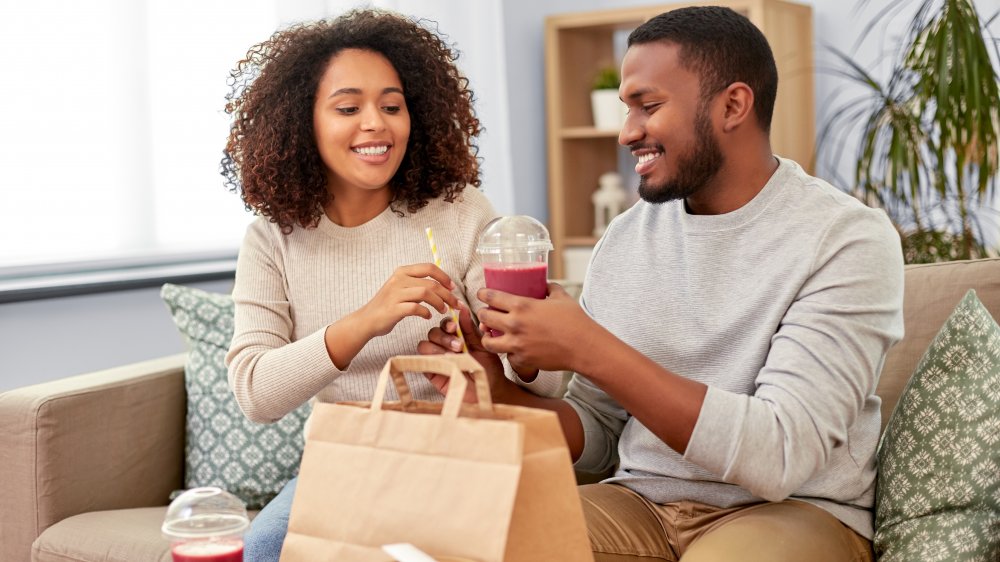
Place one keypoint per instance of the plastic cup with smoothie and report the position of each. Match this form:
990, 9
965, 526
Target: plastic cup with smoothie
515, 255
206, 525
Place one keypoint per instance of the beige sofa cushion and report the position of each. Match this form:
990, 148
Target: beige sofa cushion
123, 535
931, 293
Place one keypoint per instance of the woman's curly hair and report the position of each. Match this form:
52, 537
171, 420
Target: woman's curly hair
271, 157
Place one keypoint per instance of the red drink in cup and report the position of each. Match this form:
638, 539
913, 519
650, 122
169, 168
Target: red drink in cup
206, 525
515, 254
527, 280
229, 551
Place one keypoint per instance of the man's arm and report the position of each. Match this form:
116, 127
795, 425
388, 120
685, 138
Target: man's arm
821, 369
556, 333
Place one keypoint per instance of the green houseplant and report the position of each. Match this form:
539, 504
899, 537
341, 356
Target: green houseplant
608, 110
607, 79
928, 153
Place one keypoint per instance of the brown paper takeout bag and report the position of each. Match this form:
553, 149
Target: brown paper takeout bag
485, 482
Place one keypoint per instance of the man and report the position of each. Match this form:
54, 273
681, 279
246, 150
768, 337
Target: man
732, 329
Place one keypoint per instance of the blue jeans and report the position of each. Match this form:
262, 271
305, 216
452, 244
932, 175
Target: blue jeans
262, 542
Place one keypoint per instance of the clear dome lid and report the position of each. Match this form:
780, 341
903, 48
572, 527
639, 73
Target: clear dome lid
517, 232
202, 513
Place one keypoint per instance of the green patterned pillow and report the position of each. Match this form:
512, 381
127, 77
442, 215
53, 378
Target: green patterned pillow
224, 448
938, 495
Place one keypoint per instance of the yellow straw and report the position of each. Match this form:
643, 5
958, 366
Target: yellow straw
454, 314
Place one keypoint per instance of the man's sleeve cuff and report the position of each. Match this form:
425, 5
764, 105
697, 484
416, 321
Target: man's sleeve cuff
546, 383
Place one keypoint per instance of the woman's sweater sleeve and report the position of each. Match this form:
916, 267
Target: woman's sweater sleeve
270, 374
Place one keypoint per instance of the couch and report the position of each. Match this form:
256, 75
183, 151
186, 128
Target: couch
88, 462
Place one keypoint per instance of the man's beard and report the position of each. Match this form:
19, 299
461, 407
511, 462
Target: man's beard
694, 169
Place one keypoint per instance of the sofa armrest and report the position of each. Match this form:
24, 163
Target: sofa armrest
106, 440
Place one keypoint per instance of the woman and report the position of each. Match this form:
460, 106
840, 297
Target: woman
349, 138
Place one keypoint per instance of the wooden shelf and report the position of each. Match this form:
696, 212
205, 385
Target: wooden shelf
577, 45
589, 133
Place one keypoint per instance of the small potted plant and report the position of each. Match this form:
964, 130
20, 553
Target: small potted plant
608, 110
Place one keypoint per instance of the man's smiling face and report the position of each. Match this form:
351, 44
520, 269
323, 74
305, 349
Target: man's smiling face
668, 129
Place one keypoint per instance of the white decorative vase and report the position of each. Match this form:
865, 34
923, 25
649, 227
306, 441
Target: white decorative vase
608, 110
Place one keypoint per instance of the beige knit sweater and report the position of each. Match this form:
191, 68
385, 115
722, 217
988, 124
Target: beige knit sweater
289, 288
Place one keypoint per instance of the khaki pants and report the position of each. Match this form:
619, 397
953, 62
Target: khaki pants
624, 526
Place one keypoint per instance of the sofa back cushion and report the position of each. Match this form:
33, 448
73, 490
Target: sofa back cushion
932, 291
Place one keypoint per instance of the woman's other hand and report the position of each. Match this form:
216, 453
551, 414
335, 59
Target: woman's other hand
443, 339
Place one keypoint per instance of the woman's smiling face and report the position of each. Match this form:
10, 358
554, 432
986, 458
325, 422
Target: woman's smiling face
361, 121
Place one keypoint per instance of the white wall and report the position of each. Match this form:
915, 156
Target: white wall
524, 33
47, 339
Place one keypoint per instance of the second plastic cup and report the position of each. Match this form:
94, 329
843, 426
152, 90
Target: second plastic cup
206, 525
515, 255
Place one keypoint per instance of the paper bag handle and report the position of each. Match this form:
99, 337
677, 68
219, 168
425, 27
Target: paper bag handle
452, 364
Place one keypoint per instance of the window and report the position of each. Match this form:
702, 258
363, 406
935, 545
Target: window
113, 127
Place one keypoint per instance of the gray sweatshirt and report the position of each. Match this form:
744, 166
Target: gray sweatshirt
785, 308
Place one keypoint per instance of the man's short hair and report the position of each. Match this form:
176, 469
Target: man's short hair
721, 46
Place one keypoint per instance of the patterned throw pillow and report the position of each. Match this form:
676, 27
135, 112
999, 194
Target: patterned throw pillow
938, 495
224, 448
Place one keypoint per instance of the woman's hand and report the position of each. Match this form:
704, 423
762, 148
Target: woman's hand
408, 292
442, 340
